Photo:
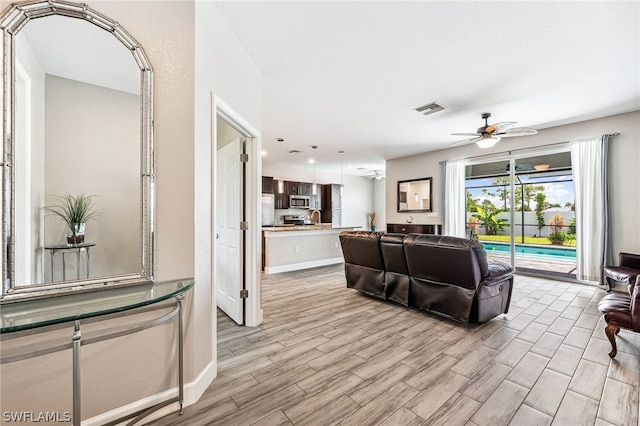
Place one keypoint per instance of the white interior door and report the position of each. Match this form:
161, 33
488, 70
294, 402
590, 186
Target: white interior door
228, 247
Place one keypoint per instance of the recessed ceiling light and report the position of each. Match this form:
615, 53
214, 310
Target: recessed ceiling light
311, 161
263, 153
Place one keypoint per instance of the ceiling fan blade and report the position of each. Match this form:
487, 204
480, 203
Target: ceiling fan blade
464, 142
498, 127
517, 131
465, 134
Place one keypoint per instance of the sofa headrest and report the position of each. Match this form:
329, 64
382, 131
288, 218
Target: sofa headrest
452, 244
392, 238
362, 248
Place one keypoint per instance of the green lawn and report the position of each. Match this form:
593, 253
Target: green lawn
527, 240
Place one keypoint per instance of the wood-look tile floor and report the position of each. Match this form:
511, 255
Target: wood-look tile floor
327, 355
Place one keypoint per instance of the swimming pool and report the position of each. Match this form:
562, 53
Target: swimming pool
568, 253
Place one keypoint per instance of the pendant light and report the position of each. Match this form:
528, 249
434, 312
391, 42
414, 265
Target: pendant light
313, 185
280, 181
341, 183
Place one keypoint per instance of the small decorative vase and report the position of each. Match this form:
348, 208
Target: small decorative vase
77, 236
373, 228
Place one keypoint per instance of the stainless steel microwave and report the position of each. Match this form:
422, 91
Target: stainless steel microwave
299, 201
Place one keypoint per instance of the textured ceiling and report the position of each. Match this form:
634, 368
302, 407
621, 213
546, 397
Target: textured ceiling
347, 75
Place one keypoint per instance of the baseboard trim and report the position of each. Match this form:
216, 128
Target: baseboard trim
302, 265
192, 392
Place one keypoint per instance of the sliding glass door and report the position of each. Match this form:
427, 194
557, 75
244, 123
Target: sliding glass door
522, 210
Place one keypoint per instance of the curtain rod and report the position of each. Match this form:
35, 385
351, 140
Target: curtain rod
525, 149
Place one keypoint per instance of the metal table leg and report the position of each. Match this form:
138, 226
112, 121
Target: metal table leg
64, 268
77, 344
88, 261
77, 264
52, 277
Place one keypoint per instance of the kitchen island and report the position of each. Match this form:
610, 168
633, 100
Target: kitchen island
291, 248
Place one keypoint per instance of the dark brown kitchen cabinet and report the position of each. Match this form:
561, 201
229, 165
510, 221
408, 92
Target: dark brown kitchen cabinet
304, 188
299, 188
268, 185
331, 197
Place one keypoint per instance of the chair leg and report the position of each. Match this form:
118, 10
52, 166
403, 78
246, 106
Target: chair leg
607, 281
611, 331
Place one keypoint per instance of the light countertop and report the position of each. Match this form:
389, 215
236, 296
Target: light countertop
322, 226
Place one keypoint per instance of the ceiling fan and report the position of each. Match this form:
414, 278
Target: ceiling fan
489, 134
377, 175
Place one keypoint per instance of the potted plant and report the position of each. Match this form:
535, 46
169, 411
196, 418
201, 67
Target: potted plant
372, 220
557, 236
75, 211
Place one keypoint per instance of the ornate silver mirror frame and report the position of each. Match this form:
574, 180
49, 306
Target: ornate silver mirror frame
12, 20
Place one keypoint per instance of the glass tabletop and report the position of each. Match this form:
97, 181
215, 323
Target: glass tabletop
69, 246
31, 314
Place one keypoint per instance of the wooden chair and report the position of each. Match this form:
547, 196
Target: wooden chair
620, 311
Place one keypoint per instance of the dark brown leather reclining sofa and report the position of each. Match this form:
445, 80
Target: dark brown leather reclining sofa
447, 276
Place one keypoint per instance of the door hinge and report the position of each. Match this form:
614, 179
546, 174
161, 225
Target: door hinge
244, 294
244, 226
244, 158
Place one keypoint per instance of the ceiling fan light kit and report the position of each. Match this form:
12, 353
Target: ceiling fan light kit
487, 141
488, 135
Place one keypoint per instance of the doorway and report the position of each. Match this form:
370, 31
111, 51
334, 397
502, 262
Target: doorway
230, 215
522, 210
236, 217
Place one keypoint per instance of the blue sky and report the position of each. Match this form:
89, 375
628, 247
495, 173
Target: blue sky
559, 192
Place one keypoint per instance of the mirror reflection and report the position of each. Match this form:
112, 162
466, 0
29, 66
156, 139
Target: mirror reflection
77, 132
414, 195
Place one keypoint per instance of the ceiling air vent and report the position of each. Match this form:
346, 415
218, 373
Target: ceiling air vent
429, 108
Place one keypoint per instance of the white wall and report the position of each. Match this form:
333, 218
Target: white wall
379, 203
29, 172
85, 153
357, 201
624, 157
223, 70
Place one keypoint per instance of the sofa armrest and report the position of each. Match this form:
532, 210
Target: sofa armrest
630, 260
635, 306
498, 271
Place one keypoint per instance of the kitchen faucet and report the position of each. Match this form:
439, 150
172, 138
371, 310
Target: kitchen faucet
311, 216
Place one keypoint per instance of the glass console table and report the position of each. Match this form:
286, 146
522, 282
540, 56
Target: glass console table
25, 318
63, 249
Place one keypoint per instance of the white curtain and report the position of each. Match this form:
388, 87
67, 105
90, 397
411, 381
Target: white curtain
590, 179
454, 198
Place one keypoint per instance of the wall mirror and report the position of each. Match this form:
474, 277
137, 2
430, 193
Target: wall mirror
414, 195
77, 121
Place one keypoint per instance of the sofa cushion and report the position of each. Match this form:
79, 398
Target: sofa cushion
364, 267
397, 274
445, 260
